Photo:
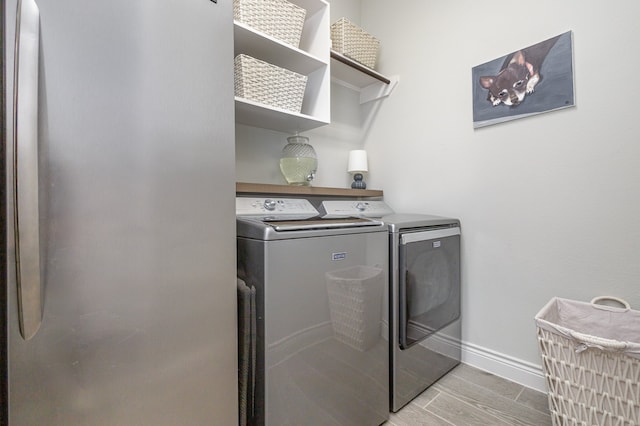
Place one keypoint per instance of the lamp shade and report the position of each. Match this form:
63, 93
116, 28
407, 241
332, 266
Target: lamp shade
358, 161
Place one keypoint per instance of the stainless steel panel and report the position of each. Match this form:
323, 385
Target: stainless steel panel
417, 368
324, 332
137, 218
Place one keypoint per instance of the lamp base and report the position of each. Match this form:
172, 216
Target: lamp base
358, 183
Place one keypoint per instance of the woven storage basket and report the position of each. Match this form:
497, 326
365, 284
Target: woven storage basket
591, 362
277, 18
262, 82
354, 42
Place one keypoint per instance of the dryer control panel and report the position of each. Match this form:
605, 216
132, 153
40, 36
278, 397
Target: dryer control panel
354, 208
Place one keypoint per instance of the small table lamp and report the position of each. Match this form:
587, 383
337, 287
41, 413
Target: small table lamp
358, 165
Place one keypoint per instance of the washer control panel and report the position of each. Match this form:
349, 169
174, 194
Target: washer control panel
275, 208
354, 208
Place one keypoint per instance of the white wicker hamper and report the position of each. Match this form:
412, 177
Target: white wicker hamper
355, 305
591, 362
278, 18
262, 82
354, 42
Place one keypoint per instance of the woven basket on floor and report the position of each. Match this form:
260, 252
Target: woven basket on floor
278, 18
591, 380
262, 82
354, 42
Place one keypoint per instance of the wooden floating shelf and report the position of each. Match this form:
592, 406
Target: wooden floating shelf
271, 189
371, 73
353, 75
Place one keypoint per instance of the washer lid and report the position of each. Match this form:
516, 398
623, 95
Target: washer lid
254, 228
298, 225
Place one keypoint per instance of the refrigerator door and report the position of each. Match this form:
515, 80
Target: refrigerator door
136, 216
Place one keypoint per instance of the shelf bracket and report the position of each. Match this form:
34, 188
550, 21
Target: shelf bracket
376, 91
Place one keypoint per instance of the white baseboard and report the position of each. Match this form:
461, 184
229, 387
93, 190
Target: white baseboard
510, 368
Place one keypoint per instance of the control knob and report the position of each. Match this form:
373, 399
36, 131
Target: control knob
269, 204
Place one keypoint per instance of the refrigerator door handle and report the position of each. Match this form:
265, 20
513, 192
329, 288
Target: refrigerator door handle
25, 168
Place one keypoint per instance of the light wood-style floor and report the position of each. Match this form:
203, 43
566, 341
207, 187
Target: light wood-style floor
469, 397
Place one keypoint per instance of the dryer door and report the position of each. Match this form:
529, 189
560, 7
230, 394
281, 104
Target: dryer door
429, 283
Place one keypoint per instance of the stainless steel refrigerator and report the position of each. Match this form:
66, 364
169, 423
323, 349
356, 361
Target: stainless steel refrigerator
120, 187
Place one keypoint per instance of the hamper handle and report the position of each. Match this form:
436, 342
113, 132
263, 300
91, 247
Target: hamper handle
624, 303
587, 341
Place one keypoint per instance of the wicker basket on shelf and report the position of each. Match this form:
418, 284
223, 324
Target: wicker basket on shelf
278, 18
354, 42
262, 82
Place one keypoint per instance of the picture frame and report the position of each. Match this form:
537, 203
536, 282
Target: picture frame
530, 81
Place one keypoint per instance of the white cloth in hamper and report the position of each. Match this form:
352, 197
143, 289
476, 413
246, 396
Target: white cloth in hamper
590, 325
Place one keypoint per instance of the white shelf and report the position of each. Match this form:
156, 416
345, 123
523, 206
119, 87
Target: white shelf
264, 116
266, 48
311, 58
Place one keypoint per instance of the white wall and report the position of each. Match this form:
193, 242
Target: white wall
550, 205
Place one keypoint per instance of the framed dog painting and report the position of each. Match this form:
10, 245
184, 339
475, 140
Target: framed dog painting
530, 81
